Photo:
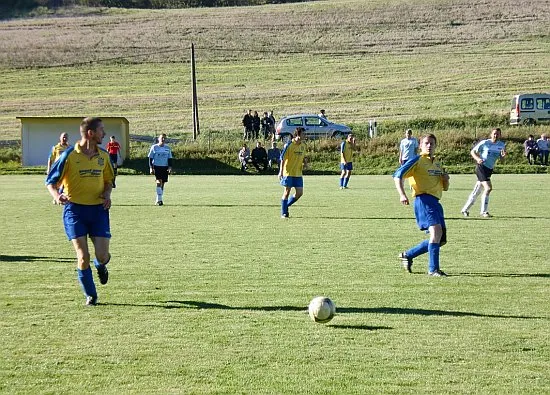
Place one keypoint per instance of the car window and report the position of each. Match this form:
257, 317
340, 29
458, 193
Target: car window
314, 121
294, 121
527, 104
543, 103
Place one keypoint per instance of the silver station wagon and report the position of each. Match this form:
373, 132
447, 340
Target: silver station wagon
315, 127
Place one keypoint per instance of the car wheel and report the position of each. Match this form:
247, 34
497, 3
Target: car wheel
337, 135
529, 122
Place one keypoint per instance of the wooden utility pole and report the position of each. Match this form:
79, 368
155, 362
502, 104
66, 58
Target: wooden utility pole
196, 128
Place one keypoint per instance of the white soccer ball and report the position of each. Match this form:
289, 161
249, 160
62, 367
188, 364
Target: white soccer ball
321, 309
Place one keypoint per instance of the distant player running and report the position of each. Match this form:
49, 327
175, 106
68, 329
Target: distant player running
160, 165
428, 180
290, 172
485, 153
346, 158
55, 154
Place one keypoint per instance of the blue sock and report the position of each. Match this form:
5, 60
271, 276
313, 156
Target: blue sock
419, 249
346, 180
86, 281
342, 182
433, 260
284, 207
292, 200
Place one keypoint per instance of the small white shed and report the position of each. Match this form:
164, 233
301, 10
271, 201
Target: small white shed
40, 134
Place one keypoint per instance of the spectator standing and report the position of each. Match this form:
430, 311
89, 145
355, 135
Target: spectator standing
273, 155
271, 123
542, 143
290, 171
531, 150
87, 174
256, 121
428, 181
322, 114
113, 148
266, 125
247, 125
408, 147
160, 165
485, 153
259, 157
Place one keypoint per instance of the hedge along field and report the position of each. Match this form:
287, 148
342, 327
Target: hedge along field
383, 60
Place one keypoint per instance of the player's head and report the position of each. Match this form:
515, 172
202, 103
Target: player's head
297, 135
428, 143
91, 128
112, 138
63, 138
258, 144
350, 137
408, 133
495, 134
162, 138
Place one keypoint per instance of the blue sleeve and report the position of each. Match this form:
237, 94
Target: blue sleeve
342, 146
406, 167
58, 167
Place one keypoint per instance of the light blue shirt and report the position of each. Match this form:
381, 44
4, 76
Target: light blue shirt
408, 148
160, 155
489, 152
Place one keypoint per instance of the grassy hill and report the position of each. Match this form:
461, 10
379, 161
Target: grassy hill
393, 61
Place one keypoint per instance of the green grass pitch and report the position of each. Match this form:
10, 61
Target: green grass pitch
208, 294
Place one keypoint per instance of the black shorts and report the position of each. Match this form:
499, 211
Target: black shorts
161, 173
114, 158
483, 173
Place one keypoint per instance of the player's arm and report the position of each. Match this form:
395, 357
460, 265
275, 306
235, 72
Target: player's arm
151, 168
445, 181
475, 154
403, 172
401, 190
170, 165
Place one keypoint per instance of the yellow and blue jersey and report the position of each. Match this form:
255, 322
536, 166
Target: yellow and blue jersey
346, 152
425, 175
292, 159
83, 178
57, 150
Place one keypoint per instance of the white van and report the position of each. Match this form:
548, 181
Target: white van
530, 109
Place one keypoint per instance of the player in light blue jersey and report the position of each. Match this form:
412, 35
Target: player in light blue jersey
160, 165
485, 153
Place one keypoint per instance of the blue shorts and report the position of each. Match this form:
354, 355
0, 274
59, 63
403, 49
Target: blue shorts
292, 182
346, 166
81, 220
428, 211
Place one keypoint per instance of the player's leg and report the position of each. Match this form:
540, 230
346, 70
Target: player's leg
84, 272
471, 199
102, 257
487, 188
436, 232
284, 201
347, 175
299, 191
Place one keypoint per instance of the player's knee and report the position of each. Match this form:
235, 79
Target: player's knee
443, 239
103, 256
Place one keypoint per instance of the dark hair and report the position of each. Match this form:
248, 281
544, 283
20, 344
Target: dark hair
298, 132
531, 136
89, 123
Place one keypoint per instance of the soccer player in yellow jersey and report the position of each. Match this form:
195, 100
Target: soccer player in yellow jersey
428, 180
290, 171
346, 157
86, 172
57, 150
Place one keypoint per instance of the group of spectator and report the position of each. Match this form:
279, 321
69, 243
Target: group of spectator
537, 149
253, 124
261, 159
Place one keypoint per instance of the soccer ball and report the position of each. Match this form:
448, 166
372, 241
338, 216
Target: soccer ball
321, 309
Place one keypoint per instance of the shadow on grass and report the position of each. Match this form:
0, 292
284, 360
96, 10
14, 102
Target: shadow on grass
360, 327
191, 304
32, 258
526, 275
